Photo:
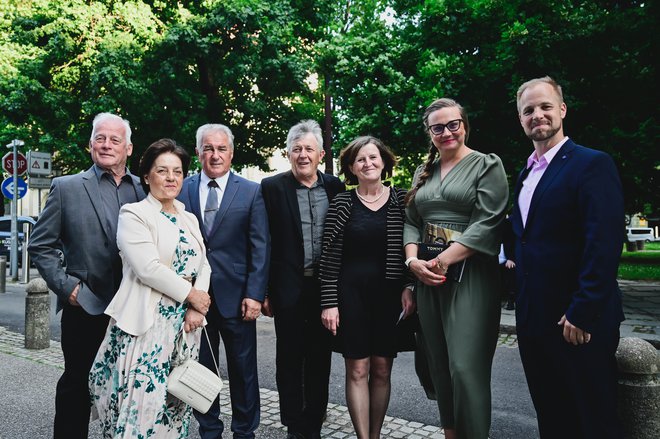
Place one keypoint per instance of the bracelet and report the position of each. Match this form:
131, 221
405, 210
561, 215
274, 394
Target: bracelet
409, 261
441, 266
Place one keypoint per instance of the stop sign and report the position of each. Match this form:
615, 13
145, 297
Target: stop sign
8, 163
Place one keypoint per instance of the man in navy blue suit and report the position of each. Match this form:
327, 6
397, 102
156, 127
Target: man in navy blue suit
233, 219
568, 225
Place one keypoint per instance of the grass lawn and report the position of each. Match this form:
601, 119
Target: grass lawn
652, 246
641, 265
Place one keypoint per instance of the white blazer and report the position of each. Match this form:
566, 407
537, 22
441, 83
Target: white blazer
147, 241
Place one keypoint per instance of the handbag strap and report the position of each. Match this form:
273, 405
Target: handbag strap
215, 363
180, 347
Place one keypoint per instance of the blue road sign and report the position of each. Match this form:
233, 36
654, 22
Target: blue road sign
8, 188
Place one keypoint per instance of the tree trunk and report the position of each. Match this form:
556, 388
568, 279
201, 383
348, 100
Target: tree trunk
327, 128
213, 110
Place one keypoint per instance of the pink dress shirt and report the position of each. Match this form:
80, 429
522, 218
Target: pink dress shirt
538, 165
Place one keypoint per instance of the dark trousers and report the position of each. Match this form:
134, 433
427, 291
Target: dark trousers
240, 342
303, 362
508, 283
81, 337
573, 388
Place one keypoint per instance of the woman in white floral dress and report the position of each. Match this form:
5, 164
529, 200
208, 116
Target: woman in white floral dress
163, 290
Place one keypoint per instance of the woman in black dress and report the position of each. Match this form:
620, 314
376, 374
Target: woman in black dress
363, 283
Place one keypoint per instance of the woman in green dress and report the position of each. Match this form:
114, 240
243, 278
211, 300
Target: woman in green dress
459, 190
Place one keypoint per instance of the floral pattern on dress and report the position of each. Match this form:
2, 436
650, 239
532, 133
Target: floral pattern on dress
128, 380
183, 251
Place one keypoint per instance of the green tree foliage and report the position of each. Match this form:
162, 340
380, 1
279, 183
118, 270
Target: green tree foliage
370, 74
171, 65
243, 63
166, 66
480, 51
68, 61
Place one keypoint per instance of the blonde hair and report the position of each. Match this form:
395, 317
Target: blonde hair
532, 82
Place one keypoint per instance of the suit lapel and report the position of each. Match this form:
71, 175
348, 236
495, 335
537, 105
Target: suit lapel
516, 217
291, 195
193, 196
91, 184
227, 198
555, 167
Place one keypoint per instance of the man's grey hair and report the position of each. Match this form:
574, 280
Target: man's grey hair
104, 117
212, 128
532, 82
301, 129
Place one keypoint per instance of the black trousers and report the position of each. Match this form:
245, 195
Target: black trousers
303, 362
82, 335
573, 388
508, 282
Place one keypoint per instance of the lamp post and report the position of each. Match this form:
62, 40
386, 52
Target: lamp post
13, 253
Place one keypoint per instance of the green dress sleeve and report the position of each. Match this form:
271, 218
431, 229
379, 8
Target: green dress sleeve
483, 232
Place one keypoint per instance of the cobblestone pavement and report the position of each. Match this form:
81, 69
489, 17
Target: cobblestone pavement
641, 305
338, 424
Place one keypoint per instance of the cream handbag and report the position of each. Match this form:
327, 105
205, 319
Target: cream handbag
193, 383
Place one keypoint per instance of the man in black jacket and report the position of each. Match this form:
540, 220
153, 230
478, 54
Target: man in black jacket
297, 202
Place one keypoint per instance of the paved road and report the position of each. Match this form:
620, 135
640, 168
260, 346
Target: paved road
513, 414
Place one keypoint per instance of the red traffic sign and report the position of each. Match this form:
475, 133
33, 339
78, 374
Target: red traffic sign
8, 163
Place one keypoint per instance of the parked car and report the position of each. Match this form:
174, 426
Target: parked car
5, 234
640, 234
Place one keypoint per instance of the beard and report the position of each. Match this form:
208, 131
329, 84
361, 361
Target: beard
540, 135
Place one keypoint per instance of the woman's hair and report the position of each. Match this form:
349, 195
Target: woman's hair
154, 150
427, 170
348, 155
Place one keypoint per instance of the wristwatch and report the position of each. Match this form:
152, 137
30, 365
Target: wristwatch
409, 260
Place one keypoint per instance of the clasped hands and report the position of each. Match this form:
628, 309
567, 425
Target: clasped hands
199, 302
431, 273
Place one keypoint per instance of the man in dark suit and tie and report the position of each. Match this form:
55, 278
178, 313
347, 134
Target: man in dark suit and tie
80, 219
568, 223
233, 219
297, 202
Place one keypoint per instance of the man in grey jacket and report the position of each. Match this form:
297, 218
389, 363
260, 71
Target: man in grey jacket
80, 219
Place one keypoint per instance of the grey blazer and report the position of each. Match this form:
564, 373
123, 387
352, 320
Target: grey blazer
72, 220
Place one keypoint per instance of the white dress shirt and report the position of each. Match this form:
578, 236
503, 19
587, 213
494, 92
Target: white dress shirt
204, 188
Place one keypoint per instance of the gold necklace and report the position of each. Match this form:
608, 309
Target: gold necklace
375, 199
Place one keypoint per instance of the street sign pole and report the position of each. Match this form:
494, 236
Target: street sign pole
13, 253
